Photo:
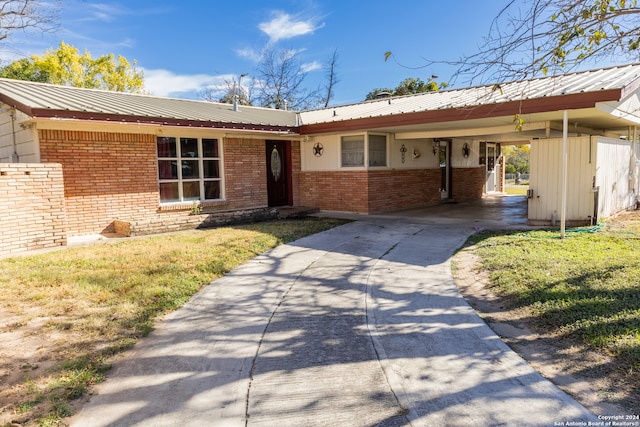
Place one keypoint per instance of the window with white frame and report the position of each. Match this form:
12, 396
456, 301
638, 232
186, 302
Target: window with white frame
189, 169
377, 150
352, 150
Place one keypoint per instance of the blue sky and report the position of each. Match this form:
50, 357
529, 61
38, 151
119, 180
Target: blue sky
186, 46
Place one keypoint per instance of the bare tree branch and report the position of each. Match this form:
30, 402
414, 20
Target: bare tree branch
332, 78
281, 80
23, 15
535, 37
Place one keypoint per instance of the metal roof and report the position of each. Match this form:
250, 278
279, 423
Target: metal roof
42, 100
592, 81
53, 101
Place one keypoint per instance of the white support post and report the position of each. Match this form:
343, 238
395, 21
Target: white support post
565, 143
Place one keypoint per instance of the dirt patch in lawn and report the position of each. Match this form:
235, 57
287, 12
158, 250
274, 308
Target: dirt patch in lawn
590, 376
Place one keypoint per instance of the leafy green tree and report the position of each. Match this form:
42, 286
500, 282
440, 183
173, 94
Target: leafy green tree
408, 86
66, 66
23, 69
516, 158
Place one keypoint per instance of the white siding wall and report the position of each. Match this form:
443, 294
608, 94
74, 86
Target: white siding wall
418, 154
330, 159
423, 159
26, 145
546, 178
457, 158
614, 176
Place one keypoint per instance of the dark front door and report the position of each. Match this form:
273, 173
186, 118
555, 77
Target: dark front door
277, 176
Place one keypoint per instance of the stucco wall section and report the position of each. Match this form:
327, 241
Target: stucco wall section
33, 207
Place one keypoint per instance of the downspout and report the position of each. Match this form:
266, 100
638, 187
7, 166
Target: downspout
14, 157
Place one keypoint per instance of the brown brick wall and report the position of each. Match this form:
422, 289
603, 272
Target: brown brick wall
391, 190
295, 171
245, 169
33, 207
107, 176
468, 183
113, 176
370, 192
335, 190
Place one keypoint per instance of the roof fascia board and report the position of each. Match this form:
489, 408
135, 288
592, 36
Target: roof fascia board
627, 110
457, 133
630, 87
158, 121
506, 109
15, 104
153, 129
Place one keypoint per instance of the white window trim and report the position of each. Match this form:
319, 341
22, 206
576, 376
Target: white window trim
366, 151
201, 179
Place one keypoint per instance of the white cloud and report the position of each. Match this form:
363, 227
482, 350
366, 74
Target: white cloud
311, 66
284, 26
102, 12
250, 54
167, 83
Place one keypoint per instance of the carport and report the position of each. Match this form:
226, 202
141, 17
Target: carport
581, 128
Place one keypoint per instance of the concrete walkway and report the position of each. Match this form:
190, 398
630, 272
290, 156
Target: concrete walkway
361, 325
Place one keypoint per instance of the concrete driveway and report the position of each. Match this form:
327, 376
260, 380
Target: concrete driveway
361, 325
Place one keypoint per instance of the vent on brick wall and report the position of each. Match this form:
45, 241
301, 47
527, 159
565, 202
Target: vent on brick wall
3, 173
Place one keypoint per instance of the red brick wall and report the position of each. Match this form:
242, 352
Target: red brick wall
245, 168
372, 191
335, 190
391, 190
468, 183
32, 206
295, 171
107, 176
113, 176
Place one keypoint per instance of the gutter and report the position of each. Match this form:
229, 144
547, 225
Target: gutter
508, 109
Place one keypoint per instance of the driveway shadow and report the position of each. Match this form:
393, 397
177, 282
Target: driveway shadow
361, 325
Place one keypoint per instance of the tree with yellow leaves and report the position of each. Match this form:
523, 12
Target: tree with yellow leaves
66, 66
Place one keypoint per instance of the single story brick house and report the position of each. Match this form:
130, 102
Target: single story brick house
75, 162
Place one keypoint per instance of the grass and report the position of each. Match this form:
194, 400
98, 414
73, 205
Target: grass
520, 190
96, 301
513, 189
585, 287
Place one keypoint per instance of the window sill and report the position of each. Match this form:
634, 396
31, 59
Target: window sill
187, 206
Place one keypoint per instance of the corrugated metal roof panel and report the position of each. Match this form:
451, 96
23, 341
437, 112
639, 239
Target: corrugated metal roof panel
579, 82
70, 99
39, 96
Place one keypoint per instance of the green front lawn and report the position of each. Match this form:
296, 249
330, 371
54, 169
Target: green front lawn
86, 304
586, 286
